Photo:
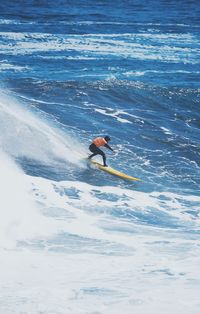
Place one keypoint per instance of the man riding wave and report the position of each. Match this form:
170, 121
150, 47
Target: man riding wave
94, 147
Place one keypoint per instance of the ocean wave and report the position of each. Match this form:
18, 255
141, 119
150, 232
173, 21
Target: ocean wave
16, 22
24, 134
11, 67
100, 45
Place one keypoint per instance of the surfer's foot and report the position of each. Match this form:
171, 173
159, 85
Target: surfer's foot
105, 165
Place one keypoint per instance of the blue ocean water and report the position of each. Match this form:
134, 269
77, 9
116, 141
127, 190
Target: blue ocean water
83, 240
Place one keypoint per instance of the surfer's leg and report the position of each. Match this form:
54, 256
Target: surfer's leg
92, 156
94, 150
103, 156
97, 151
104, 160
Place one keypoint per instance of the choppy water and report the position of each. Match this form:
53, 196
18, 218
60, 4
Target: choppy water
74, 239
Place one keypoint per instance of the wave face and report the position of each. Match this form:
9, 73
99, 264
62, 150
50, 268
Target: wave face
74, 239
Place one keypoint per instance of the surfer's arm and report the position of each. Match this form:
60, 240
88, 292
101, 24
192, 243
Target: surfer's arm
107, 146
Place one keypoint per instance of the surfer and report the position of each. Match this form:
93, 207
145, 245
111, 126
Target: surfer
94, 148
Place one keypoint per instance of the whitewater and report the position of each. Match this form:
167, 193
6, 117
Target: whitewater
74, 239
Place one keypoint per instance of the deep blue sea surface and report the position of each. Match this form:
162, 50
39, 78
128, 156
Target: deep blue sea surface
75, 239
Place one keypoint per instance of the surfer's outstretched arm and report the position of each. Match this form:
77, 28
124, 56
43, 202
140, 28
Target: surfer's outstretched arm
107, 146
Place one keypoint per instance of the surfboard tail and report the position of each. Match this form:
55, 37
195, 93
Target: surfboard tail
114, 172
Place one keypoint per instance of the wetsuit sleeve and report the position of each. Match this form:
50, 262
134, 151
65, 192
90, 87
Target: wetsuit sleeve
107, 146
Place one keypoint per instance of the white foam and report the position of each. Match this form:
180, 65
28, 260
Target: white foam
138, 46
12, 67
86, 202
166, 131
65, 284
147, 260
114, 115
15, 22
20, 218
111, 262
23, 134
141, 73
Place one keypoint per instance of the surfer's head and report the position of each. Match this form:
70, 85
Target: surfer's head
107, 138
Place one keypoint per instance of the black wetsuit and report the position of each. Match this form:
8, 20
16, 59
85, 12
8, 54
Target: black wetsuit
97, 151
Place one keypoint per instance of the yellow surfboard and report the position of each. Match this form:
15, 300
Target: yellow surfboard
114, 172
